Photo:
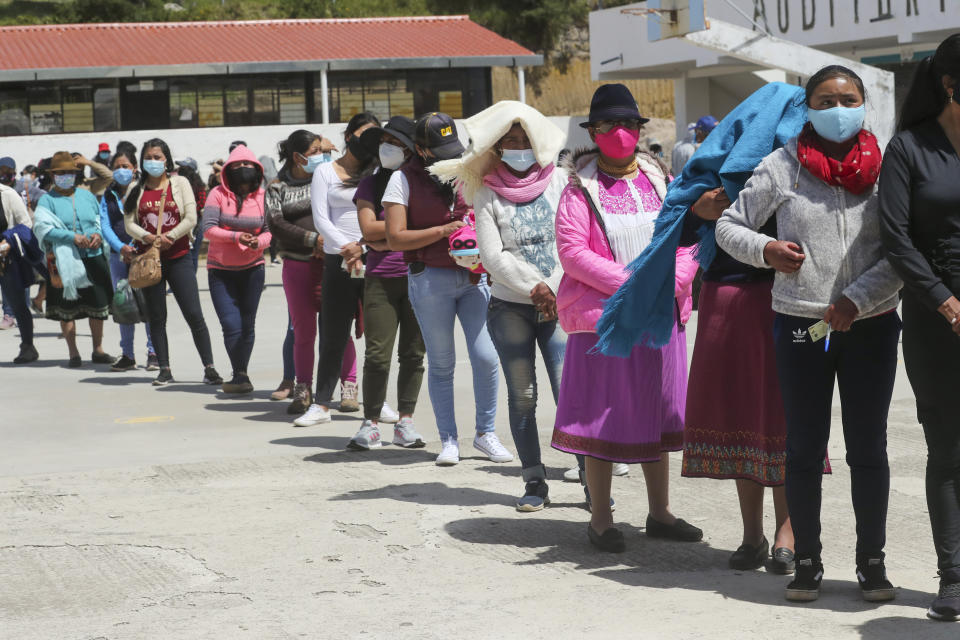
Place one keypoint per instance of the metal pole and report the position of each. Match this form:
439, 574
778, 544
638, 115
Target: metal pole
521, 86
324, 97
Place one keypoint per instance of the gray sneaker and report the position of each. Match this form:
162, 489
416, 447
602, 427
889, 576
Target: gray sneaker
405, 435
367, 438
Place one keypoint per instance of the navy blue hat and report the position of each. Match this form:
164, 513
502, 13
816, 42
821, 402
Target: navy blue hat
613, 102
438, 132
400, 127
706, 124
8, 162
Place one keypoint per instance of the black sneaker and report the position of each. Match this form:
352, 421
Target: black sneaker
210, 376
872, 576
748, 557
239, 384
123, 363
946, 607
535, 497
680, 530
164, 377
805, 586
153, 362
28, 353
782, 561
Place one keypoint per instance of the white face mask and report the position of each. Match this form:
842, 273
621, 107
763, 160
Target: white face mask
391, 156
518, 159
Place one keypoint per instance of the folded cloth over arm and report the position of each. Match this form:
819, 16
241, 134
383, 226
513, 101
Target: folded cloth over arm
71, 268
642, 310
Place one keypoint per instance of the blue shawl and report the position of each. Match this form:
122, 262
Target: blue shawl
71, 268
642, 309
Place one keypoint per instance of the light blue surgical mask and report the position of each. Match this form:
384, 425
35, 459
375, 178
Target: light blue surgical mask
104, 155
518, 159
123, 176
65, 181
315, 161
156, 168
837, 124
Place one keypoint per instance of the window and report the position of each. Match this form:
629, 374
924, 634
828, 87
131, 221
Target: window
106, 108
77, 108
210, 105
14, 113
46, 111
183, 104
237, 100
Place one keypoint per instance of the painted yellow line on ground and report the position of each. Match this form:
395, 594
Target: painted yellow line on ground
143, 419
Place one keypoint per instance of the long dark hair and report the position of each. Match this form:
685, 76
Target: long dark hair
130, 206
829, 73
129, 154
297, 142
368, 164
196, 182
927, 97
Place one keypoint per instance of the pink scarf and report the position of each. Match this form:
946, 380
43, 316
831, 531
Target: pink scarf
514, 189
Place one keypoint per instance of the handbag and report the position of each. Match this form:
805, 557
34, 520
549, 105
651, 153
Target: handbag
145, 268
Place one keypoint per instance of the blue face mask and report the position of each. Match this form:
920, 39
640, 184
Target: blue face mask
838, 124
123, 177
315, 161
518, 159
156, 168
65, 181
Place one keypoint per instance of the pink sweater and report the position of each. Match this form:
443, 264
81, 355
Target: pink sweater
223, 225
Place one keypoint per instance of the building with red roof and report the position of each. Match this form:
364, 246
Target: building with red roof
147, 76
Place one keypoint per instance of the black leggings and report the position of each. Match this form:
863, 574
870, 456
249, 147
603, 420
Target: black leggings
341, 299
182, 279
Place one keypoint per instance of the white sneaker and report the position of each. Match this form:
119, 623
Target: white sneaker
315, 415
489, 445
572, 475
450, 454
620, 469
405, 435
388, 415
367, 438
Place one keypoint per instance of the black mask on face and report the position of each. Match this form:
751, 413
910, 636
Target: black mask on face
6, 179
358, 150
237, 176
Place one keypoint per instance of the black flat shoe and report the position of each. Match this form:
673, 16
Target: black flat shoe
680, 530
74, 362
782, 562
102, 358
748, 557
610, 540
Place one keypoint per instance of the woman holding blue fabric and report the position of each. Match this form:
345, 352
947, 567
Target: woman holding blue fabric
124, 165
832, 276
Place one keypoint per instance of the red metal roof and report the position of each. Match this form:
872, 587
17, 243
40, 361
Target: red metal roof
174, 43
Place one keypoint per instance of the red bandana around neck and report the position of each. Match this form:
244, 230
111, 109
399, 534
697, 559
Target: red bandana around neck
856, 173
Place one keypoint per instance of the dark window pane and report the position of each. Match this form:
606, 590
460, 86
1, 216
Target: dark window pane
106, 108
237, 100
46, 112
183, 104
14, 113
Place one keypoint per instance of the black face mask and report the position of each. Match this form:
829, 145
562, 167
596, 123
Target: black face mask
358, 150
6, 179
237, 176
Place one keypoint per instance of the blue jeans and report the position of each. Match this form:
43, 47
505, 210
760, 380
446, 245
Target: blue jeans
119, 270
439, 296
516, 333
236, 297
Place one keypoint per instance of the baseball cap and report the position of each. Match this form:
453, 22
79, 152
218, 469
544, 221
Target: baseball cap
103, 147
437, 132
8, 162
706, 123
187, 162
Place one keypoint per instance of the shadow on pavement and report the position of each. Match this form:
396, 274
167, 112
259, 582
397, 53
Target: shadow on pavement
896, 627
116, 380
437, 493
513, 471
257, 410
387, 455
61, 362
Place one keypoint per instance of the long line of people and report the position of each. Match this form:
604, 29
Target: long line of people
804, 239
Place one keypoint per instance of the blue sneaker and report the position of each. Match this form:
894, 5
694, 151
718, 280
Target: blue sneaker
535, 498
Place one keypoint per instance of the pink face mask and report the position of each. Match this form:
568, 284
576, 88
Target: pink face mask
619, 142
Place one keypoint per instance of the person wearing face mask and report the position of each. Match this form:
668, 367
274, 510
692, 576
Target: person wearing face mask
16, 271
920, 227
835, 298
386, 301
421, 213
235, 224
332, 190
612, 409
103, 153
77, 223
124, 166
28, 186
160, 210
300, 245
508, 175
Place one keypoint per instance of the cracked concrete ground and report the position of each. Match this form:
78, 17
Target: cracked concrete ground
133, 512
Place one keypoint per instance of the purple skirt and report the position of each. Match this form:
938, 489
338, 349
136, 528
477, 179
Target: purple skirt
622, 409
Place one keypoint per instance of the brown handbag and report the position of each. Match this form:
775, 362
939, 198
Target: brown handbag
55, 280
145, 269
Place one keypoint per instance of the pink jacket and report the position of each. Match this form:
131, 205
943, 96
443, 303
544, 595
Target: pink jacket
222, 224
590, 273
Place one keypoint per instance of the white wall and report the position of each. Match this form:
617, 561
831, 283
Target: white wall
203, 145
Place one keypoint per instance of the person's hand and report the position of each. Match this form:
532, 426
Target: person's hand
326, 146
246, 239
450, 227
165, 242
351, 251
95, 241
126, 253
354, 266
81, 160
950, 310
785, 257
542, 297
81, 240
711, 205
4, 247
841, 314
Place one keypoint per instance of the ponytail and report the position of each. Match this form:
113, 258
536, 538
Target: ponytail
927, 96
297, 142
133, 198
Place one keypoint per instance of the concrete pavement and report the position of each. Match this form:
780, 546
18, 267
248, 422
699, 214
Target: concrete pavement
135, 512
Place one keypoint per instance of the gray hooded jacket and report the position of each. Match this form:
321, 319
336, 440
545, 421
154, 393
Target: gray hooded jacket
839, 234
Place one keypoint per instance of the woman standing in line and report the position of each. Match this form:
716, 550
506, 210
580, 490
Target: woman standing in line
831, 275
235, 224
124, 166
335, 218
161, 209
288, 203
421, 214
920, 224
605, 219
78, 213
386, 300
